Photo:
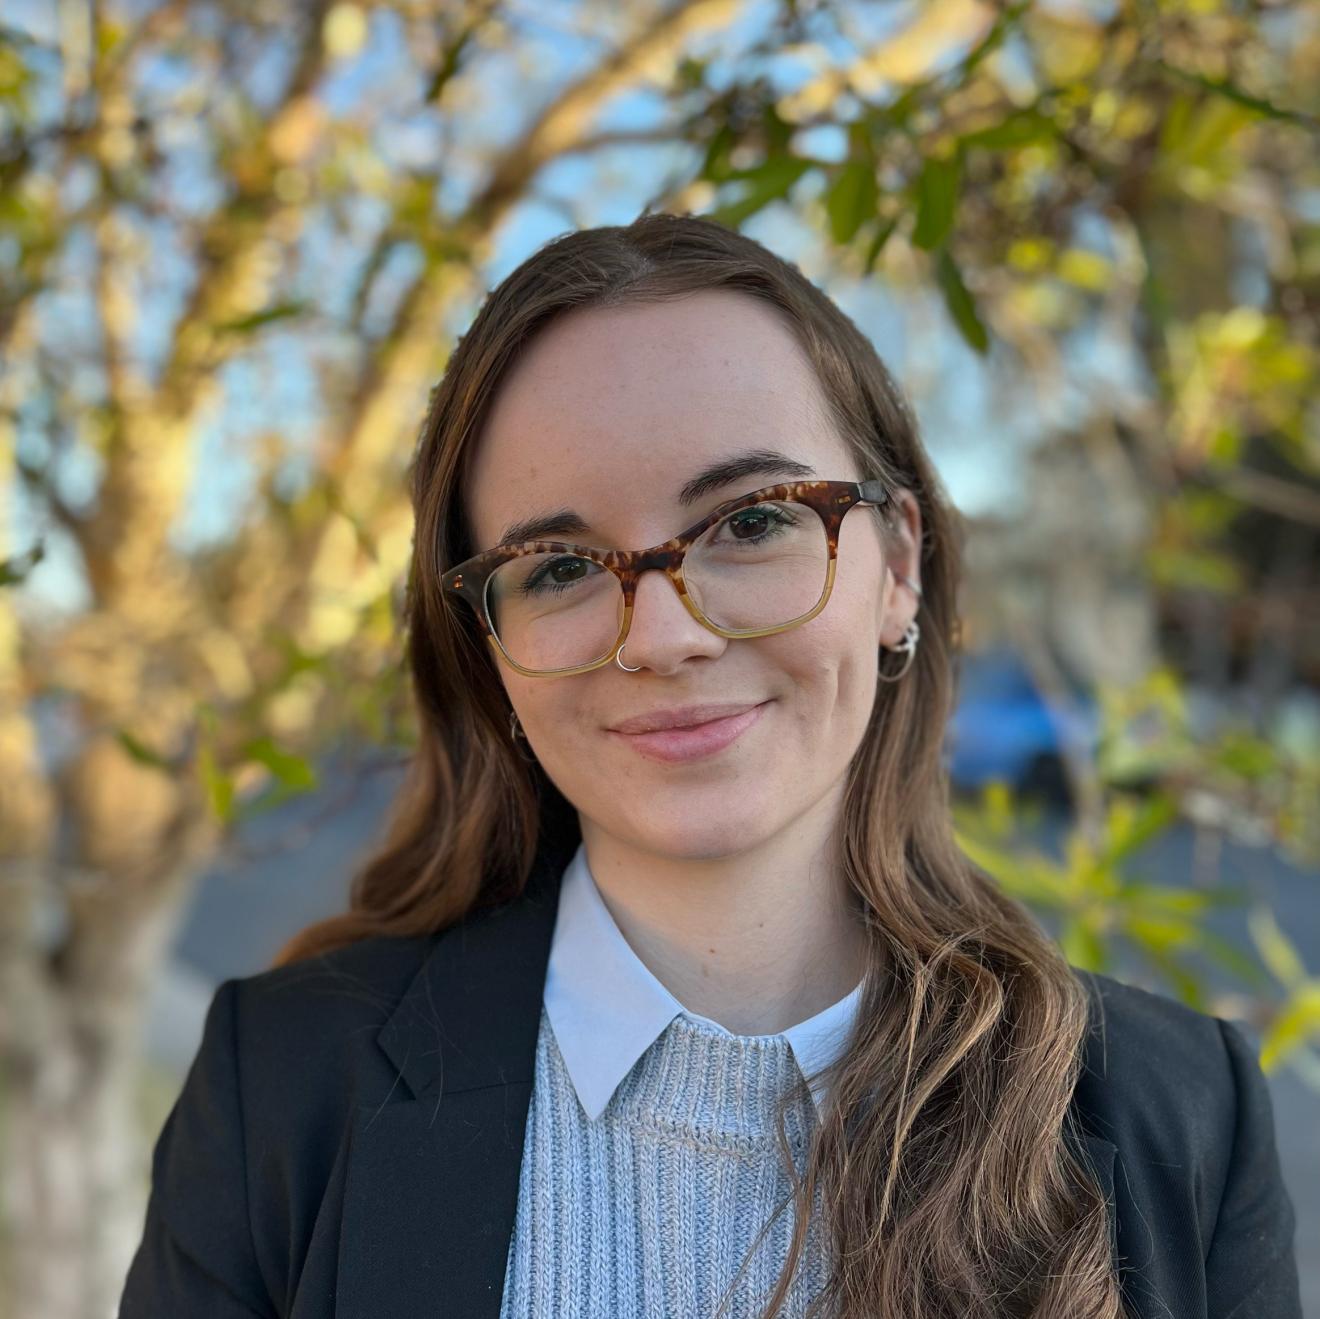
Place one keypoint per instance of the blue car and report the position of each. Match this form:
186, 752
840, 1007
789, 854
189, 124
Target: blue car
1003, 728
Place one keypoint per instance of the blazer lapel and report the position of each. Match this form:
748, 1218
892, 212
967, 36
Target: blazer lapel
431, 1186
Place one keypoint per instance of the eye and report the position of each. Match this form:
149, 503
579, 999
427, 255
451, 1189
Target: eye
546, 577
758, 524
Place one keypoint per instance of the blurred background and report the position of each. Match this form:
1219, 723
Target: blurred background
237, 242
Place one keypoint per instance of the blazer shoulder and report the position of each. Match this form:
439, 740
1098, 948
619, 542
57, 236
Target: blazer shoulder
305, 1032
375, 970
1142, 1038
1182, 1096
1165, 1082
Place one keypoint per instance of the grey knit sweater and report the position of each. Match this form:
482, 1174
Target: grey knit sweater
650, 1209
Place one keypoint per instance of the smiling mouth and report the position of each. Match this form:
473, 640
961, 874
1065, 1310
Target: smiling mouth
693, 741
684, 716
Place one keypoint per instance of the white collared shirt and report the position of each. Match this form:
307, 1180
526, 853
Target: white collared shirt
607, 1007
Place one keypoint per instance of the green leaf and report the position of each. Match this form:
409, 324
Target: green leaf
219, 786
1209, 131
1295, 1024
1232, 958
1130, 827
246, 324
883, 230
1232, 92
1188, 986
691, 72
1247, 756
288, 768
16, 569
16, 74
1283, 960
1194, 569
937, 200
767, 183
715, 166
1018, 130
851, 199
997, 806
140, 752
1081, 945
1160, 933
452, 61
1177, 122
960, 302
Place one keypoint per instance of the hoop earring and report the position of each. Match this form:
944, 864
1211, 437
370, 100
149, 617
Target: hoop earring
618, 659
908, 646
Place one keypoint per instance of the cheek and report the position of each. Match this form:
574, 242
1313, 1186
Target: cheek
552, 712
848, 628
828, 667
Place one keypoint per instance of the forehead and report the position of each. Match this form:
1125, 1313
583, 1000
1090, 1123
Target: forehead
612, 408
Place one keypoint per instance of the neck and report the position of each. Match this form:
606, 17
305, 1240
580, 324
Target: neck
757, 940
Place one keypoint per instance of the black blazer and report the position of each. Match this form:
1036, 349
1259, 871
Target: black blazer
348, 1139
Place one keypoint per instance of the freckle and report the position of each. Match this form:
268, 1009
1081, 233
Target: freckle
712, 950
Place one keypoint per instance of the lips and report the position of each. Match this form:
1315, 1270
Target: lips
678, 745
683, 716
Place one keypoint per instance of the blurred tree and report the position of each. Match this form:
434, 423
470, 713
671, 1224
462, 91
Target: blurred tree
202, 201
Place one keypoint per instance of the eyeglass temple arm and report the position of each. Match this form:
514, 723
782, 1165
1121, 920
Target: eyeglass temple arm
874, 492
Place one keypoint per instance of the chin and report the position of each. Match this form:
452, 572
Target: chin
705, 830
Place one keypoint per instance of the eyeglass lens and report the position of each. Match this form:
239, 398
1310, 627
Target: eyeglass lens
759, 567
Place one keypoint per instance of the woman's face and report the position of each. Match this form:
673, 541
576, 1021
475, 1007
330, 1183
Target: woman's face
610, 412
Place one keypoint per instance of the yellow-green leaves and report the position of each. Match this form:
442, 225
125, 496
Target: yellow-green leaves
1297, 1022
258, 760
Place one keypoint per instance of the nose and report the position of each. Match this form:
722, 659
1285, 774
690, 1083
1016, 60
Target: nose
661, 631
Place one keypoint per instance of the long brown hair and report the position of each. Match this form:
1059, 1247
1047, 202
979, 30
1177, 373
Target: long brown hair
944, 1177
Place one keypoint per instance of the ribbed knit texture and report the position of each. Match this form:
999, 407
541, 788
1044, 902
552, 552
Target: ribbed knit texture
650, 1209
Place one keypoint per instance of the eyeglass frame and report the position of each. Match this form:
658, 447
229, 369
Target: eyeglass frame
830, 500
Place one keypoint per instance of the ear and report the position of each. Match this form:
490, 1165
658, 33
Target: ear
899, 605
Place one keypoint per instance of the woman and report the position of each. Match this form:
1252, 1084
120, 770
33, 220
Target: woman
717, 1019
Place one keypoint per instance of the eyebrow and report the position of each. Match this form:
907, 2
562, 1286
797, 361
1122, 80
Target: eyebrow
715, 476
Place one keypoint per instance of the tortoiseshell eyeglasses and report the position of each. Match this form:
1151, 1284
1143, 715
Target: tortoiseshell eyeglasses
756, 565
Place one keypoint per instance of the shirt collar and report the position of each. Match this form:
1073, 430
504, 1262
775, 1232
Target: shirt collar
607, 1007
